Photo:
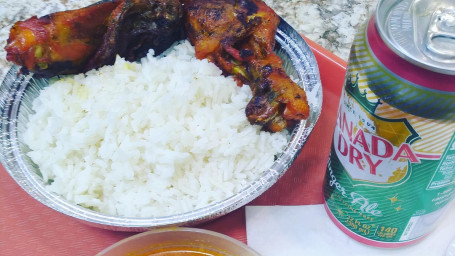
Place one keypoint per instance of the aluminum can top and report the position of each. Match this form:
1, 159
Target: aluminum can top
420, 31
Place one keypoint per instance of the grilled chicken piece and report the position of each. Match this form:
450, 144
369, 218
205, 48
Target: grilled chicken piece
58, 43
239, 37
79, 40
136, 26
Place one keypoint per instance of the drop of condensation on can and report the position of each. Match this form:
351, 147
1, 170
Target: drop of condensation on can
437, 21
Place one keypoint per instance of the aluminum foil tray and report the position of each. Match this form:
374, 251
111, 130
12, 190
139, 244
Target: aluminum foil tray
17, 92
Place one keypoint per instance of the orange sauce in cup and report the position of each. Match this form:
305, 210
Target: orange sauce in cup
181, 251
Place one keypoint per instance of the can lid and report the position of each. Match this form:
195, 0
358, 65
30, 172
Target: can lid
421, 31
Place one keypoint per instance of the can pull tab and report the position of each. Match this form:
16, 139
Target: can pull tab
440, 37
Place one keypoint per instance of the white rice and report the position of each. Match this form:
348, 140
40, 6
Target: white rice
160, 137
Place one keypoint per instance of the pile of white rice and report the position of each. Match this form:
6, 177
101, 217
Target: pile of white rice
156, 138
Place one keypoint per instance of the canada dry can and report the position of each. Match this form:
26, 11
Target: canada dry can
391, 170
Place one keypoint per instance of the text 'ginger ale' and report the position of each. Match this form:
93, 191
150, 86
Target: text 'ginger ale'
391, 169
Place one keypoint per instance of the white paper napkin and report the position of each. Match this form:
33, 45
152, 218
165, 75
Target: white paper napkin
307, 230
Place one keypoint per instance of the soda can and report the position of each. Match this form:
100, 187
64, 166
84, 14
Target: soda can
391, 169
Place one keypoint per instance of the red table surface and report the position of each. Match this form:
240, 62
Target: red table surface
29, 228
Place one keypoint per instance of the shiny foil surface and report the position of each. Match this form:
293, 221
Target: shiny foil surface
18, 91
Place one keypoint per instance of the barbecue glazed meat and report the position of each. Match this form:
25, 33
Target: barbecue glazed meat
239, 37
79, 40
58, 43
136, 26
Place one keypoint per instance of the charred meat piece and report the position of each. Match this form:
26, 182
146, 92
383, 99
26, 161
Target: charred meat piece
79, 40
136, 26
61, 42
239, 37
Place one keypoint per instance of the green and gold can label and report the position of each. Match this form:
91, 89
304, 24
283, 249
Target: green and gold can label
391, 170
390, 173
